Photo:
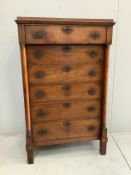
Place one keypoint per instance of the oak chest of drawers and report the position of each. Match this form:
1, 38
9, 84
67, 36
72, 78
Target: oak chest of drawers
64, 66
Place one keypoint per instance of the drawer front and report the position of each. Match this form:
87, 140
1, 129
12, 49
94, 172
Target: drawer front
64, 92
64, 73
60, 34
66, 110
65, 54
66, 129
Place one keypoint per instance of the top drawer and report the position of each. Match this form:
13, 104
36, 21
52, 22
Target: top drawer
61, 34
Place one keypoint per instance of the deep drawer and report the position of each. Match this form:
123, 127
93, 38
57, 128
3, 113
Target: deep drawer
66, 129
66, 110
62, 34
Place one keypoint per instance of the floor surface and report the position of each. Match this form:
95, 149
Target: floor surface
68, 159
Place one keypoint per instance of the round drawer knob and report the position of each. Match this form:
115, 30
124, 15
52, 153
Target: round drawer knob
67, 124
91, 128
38, 54
91, 91
38, 34
93, 54
95, 35
40, 94
91, 108
92, 73
66, 105
66, 68
66, 88
67, 29
39, 74
42, 132
41, 113
66, 48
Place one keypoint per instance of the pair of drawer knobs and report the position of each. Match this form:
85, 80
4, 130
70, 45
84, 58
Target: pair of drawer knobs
90, 128
67, 125
41, 112
40, 34
41, 94
67, 88
39, 53
41, 74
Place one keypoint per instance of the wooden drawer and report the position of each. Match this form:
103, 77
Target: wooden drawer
62, 34
66, 110
65, 54
65, 129
65, 92
44, 74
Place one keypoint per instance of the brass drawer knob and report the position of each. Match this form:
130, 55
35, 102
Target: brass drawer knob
91, 128
66, 68
39, 74
38, 54
66, 48
91, 108
95, 35
67, 124
66, 105
92, 73
67, 30
42, 132
91, 91
40, 94
41, 113
93, 54
66, 88
38, 34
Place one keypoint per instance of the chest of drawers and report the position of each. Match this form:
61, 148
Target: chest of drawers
64, 68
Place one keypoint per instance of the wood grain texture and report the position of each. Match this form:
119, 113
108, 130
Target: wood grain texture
29, 144
57, 74
105, 85
103, 133
53, 34
21, 34
109, 35
59, 130
66, 140
66, 110
26, 88
54, 93
58, 54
